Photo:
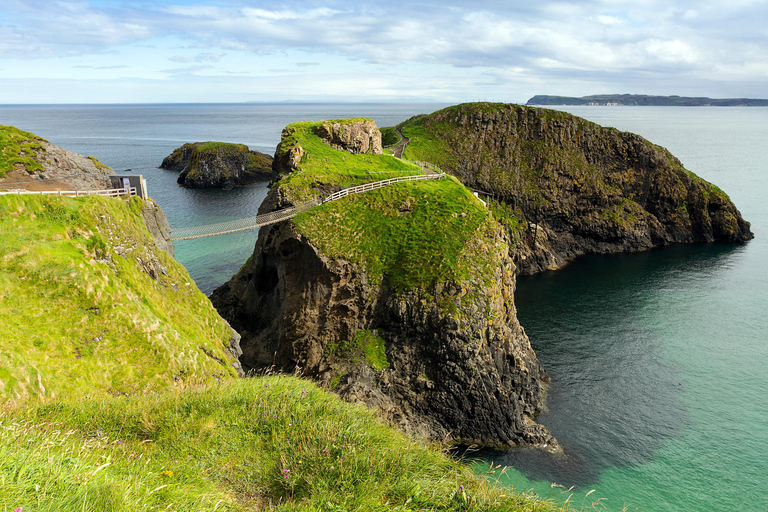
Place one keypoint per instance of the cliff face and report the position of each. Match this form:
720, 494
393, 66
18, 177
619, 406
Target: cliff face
569, 187
362, 136
422, 328
218, 165
32, 163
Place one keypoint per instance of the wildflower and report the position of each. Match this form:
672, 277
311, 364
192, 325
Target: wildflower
18, 509
324, 451
167, 473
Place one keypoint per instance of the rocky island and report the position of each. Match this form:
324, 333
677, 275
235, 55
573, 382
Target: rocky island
564, 186
403, 298
218, 165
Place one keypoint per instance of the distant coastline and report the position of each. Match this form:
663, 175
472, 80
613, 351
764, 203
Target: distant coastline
618, 100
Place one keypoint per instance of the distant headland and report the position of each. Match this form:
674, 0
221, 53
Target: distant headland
645, 100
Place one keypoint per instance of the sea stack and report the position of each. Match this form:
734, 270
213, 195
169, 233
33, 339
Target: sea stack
218, 165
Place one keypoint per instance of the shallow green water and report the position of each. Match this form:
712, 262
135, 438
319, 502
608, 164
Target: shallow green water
660, 384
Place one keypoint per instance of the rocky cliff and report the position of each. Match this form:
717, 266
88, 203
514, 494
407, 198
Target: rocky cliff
360, 136
29, 162
565, 186
218, 165
400, 298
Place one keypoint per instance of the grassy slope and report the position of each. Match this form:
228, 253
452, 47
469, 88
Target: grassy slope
14, 142
249, 444
323, 165
416, 234
78, 318
435, 141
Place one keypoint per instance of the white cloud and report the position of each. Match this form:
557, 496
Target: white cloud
601, 44
200, 57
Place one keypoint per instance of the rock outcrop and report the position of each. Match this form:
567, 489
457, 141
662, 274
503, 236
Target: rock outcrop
358, 136
447, 360
457, 365
44, 166
158, 226
572, 187
446, 357
218, 165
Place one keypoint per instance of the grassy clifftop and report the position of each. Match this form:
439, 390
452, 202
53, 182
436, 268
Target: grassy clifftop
270, 443
89, 304
414, 234
320, 167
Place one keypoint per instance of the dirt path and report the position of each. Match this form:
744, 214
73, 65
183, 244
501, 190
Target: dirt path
398, 151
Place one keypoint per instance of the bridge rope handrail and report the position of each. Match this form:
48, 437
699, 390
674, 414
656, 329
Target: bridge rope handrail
112, 192
287, 213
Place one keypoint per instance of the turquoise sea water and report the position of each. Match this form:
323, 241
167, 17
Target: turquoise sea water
658, 359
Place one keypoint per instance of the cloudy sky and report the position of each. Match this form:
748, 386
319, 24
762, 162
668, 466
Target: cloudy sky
115, 51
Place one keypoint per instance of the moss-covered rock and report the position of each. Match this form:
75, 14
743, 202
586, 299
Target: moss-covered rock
575, 186
218, 165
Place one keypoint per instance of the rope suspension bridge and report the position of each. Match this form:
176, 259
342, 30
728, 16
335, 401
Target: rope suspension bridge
431, 173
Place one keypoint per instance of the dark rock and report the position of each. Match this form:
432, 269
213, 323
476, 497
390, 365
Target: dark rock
585, 188
218, 165
458, 370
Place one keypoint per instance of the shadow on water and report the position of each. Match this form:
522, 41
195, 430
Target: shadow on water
613, 400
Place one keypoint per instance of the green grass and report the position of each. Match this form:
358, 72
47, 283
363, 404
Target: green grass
17, 148
275, 442
323, 166
414, 234
365, 345
389, 136
213, 145
425, 145
80, 313
98, 164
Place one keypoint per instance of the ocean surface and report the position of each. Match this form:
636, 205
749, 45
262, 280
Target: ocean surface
659, 360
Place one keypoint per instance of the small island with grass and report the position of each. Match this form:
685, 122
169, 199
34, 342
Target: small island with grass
218, 165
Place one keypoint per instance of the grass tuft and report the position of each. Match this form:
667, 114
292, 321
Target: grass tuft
18, 147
